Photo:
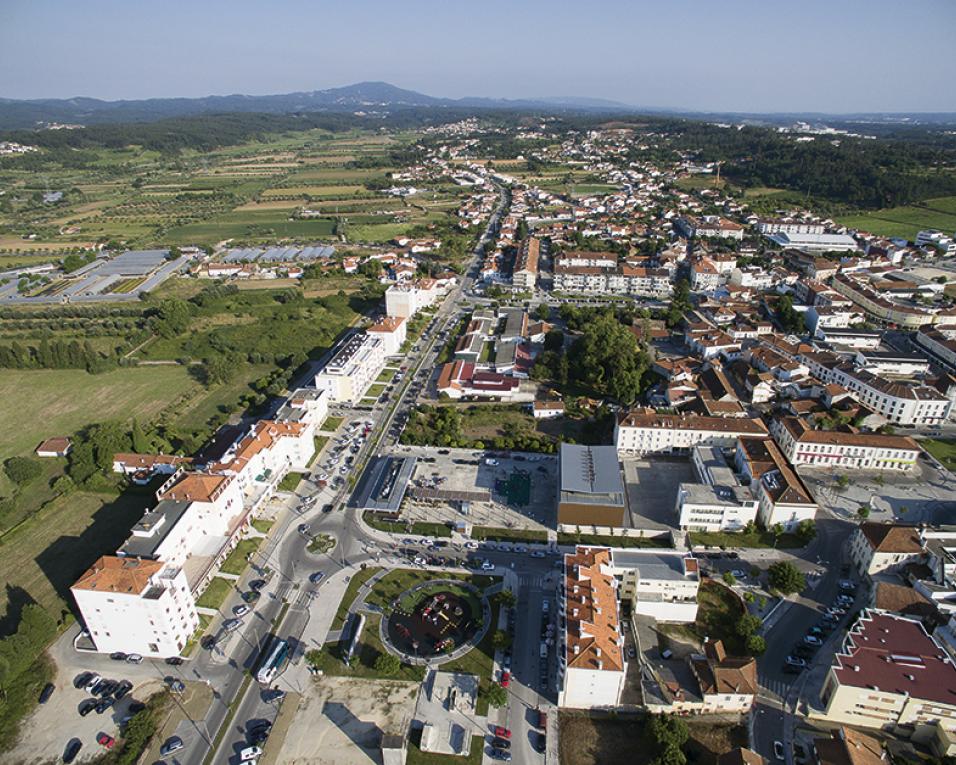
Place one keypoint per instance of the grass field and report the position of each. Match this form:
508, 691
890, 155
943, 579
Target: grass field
719, 610
214, 595
236, 562
41, 558
332, 423
943, 450
758, 538
906, 221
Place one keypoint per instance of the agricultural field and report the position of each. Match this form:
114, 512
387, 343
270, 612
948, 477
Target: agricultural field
905, 222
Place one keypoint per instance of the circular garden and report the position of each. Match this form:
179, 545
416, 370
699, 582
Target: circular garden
434, 619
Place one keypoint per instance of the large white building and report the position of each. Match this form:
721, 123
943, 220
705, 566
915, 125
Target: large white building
876, 547
393, 331
719, 502
407, 299
890, 674
814, 242
136, 605
592, 666
781, 496
662, 584
354, 367
854, 451
640, 432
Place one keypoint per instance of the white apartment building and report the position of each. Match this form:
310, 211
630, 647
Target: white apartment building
937, 239
802, 445
704, 276
354, 367
783, 226
719, 502
890, 673
940, 343
781, 496
640, 432
310, 406
136, 606
623, 280
592, 666
710, 226
752, 276
407, 299
876, 547
393, 331
660, 584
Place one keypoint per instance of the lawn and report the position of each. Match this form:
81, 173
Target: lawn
943, 450
319, 443
355, 584
508, 535
598, 739
215, 593
415, 756
394, 583
290, 480
262, 525
400, 527
719, 610
332, 423
375, 390
41, 558
329, 658
386, 376
321, 543
906, 221
52, 402
758, 538
236, 562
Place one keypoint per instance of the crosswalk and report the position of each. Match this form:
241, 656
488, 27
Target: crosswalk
775, 686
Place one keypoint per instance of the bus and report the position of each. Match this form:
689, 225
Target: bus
276, 657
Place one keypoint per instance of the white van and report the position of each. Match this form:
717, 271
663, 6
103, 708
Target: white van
250, 753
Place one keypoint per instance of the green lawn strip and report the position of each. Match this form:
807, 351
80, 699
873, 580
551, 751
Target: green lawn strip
508, 535
320, 442
760, 539
375, 390
262, 525
290, 480
355, 583
943, 450
400, 527
479, 661
236, 562
215, 593
329, 659
612, 541
387, 589
332, 423
386, 376
415, 755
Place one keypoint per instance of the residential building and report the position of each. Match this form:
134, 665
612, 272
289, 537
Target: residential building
890, 674
463, 380
590, 486
407, 299
849, 747
718, 502
392, 330
592, 667
710, 226
940, 343
876, 547
661, 584
704, 276
788, 226
880, 307
937, 239
58, 446
546, 410
641, 432
854, 451
525, 274
728, 684
354, 366
136, 605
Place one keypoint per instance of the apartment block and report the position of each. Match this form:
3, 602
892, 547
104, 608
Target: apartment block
354, 367
392, 330
802, 445
641, 432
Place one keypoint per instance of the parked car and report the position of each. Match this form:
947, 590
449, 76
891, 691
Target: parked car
105, 740
176, 661
500, 754
172, 744
103, 704
122, 690
501, 743
118, 656
240, 610
46, 692
86, 706
540, 743
134, 658
82, 679
812, 640
778, 750
501, 732
796, 661
92, 682
249, 753
73, 747
316, 577
505, 678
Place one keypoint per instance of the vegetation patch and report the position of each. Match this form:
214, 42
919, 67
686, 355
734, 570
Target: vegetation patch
236, 562
494, 534
943, 450
606, 540
290, 480
215, 594
419, 528
332, 423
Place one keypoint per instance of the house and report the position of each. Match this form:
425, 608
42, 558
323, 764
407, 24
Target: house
661, 584
543, 410
525, 273
141, 468
847, 746
463, 380
58, 446
590, 486
728, 684
890, 674
876, 547
392, 330
592, 666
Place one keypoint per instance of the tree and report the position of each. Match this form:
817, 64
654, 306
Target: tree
542, 312
863, 512
218, 369
22, 470
786, 578
606, 358
172, 318
790, 319
756, 645
501, 640
842, 481
747, 625
496, 695
729, 578
806, 530
140, 442
680, 304
505, 598
387, 664
370, 268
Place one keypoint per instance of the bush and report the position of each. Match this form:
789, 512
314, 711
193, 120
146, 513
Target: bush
22, 470
786, 578
387, 664
496, 695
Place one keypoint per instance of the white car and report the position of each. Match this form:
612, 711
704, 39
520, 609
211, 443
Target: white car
249, 753
241, 610
778, 750
487, 566
471, 545
96, 679
739, 573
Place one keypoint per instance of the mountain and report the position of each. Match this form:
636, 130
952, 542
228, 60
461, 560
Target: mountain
362, 96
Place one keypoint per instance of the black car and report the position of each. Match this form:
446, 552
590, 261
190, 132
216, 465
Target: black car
174, 661
122, 690
105, 688
86, 707
73, 748
540, 743
82, 679
118, 656
259, 733
103, 704
136, 706
327, 508
97, 690
501, 743
500, 754
257, 584
47, 692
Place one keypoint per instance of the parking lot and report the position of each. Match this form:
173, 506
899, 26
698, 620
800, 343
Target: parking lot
651, 486
515, 492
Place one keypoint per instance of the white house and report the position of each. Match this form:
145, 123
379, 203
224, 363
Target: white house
392, 330
855, 451
876, 547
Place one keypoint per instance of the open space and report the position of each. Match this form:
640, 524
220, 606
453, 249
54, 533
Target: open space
651, 485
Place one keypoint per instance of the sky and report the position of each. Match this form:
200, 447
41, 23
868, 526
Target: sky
835, 56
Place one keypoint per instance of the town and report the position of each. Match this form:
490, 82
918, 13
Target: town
536, 439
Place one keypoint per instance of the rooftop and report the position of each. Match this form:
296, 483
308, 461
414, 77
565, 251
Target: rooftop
590, 474
891, 537
593, 633
120, 575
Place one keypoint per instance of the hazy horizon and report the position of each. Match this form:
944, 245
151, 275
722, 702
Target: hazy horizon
738, 56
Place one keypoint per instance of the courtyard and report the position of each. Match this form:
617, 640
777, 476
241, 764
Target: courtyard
651, 486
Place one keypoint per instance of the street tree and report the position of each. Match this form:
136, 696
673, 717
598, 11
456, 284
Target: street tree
786, 578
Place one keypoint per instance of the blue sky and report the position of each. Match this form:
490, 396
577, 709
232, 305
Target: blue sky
745, 55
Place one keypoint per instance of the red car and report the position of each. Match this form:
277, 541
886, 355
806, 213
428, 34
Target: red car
105, 741
502, 732
505, 678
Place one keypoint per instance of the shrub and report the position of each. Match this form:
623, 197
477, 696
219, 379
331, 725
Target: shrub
22, 470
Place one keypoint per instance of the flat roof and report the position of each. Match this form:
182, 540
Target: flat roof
384, 483
153, 528
654, 564
590, 472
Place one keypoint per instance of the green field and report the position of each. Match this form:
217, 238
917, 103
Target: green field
943, 450
214, 595
905, 222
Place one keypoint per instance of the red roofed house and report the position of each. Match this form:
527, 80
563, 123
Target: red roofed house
460, 379
54, 447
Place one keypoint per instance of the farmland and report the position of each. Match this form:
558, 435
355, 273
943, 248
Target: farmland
905, 222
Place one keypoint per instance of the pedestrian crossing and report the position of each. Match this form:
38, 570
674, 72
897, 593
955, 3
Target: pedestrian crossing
775, 686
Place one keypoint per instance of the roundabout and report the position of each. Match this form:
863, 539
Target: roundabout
436, 621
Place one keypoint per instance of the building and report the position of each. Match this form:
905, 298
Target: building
782, 497
890, 674
849, 747
355, 365
640, 432
709, 226
813, 242
592, 667
590, 487
136, 605
728, 684
881, 308
802, 445
718, 502
940, 343
525, 274
741, 756
661, 584
876, 547
464, 380
58, 446
785, 226
546, 410
937, 239
407, 299
392, 330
